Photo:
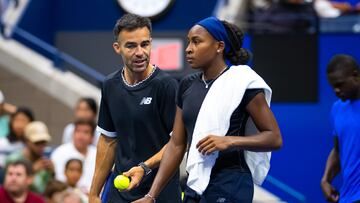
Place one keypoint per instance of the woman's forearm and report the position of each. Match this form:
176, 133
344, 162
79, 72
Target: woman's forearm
170, 162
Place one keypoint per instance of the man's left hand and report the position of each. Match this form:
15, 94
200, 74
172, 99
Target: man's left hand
135, 174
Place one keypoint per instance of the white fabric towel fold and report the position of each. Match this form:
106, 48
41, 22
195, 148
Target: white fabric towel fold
223, 98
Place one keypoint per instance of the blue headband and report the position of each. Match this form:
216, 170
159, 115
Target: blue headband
215, 27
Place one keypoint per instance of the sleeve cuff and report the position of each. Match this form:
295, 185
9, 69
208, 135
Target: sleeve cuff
105, 132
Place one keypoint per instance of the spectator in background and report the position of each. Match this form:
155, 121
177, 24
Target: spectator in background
14, 141
344, 76
36, 139
346, 6
6, 109
4, 127
53, 189
58, 192
18, 177
4, 5
336, 8
73, 173
69, 196
80, 148
284, 16
19, 120
86, 109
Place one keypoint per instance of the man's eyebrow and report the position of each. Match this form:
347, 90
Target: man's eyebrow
130, 43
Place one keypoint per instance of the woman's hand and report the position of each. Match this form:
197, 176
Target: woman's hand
144, 200
212, 143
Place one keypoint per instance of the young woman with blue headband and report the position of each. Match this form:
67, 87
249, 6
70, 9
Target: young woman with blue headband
223, 115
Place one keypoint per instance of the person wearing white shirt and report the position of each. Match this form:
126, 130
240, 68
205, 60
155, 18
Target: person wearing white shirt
86, 108
80, 148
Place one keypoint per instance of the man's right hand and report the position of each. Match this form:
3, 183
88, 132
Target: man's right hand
94, 199
330, 193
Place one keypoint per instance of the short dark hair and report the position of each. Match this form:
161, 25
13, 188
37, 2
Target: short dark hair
90, 102
73, 160
54, 186
130, 22
344, 63
86, 122
22, 162
20, 110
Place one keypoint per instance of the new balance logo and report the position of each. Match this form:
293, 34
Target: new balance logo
221, 199
146, 101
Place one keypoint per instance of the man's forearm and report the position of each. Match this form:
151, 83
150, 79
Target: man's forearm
104, 162
154, 161
332, 167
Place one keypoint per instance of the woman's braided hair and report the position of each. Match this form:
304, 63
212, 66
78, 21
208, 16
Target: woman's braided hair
237, 55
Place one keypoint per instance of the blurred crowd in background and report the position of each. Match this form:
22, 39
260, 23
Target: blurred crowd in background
60, 172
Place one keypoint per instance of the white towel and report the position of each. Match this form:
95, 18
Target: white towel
223, 98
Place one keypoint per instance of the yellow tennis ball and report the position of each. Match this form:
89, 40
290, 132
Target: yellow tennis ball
121, 182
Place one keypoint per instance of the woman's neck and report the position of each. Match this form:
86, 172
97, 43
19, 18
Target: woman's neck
214, 70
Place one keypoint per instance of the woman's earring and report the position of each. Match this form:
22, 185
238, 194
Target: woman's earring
218, 51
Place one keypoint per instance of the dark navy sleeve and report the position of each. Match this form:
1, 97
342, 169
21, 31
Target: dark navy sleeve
180, 92
105, 122
249, 95
167, 103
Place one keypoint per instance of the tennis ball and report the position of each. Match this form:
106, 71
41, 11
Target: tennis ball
121, 182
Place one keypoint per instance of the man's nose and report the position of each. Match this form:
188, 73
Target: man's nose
139, 51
